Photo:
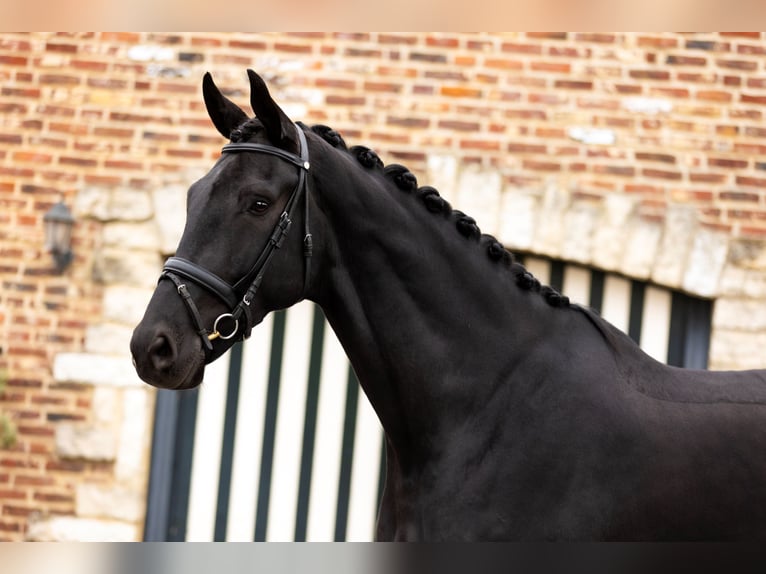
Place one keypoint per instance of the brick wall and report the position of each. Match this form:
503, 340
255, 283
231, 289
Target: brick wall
656, 137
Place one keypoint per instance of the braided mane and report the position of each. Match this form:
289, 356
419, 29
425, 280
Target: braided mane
406, 181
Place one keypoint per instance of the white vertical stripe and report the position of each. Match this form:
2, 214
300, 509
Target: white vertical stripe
291, 413
206, 460
577, 284
323, 498
248, 437
540, 268
364, 473
616, 305
655, 323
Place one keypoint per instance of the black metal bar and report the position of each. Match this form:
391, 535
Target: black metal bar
636, 315
557, 275
596, 301
227, 447
161, 466
347, 456
309, 425
183, 453
270, 427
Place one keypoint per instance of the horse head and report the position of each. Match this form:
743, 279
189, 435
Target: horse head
225, 277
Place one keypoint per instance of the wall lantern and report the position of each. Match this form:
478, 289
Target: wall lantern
58, 234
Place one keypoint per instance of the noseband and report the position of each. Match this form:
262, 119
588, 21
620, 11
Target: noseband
238, 297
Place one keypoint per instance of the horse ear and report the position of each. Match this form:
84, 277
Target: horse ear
225, 114
279, 129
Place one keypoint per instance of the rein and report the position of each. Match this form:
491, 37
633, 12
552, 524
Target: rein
238, 297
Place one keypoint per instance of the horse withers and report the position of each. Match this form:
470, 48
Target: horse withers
509, 412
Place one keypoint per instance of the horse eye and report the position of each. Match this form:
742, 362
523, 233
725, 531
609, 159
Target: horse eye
258, 206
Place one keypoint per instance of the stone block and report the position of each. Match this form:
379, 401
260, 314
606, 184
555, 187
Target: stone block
132, 235
134, 436
108, 338
76, 440
641, 245
94, 369
705, 264
740, 314
111, 502
127, 267
518, 219
71, 529
675, 246
169, 203
105, 406
580, 224
732, 281
737, 350
126, 304
611, 232
748, 253
478, 195
113, 204
549, 237
442, 175
755, 284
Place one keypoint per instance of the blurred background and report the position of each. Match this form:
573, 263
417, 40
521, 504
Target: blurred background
627, 169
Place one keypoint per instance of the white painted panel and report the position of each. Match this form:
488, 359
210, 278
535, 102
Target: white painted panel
248, 437
323, 498
655, 323
291, 414
365, 471
616, 305
540, 268
206, 460
577, 284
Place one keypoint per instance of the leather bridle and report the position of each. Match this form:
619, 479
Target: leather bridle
238, 297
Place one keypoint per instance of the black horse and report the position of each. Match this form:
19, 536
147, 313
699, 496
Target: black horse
509, 412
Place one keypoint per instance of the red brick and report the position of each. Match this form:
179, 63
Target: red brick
442, 42
649, 74
459, 125
541, 165
744, 65
503, 64
740, 34
659, 157
547, 35
527, 148
728, 162
714, 95
620, 170
751, 181
388, 87
751, 49
657, 42
750, 99
333, 99
558, 67
397, 39
487, 145
460, 92
661, 174
520, 48
122, 37
597, 38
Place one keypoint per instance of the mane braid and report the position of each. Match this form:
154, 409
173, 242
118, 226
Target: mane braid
466, 225
246, 130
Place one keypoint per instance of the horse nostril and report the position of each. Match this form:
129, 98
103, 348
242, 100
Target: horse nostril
162, 352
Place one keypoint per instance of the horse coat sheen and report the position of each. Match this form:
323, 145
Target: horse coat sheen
509, 413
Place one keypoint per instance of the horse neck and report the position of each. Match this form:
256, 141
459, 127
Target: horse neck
421, 310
